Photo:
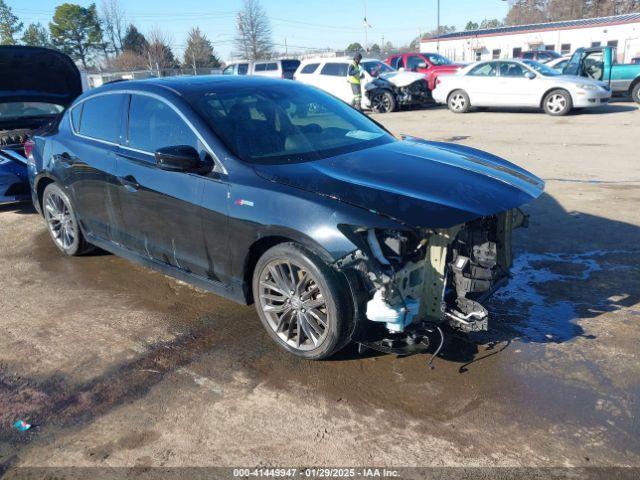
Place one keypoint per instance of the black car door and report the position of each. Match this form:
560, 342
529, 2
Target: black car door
85, 162
160, 208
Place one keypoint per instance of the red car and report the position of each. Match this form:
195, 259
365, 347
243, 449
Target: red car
431, 64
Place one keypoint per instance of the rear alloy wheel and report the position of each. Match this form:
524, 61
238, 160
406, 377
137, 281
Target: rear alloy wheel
635, 93
459, 102
383, 102
62, 222
557, 103
301, 302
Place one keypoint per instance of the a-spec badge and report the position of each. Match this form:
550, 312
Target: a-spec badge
243, 203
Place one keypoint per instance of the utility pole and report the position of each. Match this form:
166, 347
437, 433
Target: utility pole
438, 34
366, 26
193, 55
286, 49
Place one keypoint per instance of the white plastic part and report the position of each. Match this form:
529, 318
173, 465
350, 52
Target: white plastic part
395, 317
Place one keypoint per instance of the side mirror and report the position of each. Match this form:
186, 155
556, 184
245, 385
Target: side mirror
179, 158
530, 75
422, 65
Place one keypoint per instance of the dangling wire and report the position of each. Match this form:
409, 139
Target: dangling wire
435, 354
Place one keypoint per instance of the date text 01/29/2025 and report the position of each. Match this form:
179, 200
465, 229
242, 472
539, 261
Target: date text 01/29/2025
315, 472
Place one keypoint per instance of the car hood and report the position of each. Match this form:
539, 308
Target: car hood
420, 183
402, 79
36, 74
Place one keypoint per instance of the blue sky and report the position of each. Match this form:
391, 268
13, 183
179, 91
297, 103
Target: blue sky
303, 23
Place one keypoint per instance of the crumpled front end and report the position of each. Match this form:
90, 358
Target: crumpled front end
416, 93
419, 280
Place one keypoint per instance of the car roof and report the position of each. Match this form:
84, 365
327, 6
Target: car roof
187, 84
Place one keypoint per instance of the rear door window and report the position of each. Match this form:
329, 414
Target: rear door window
271, 67
75, 113
483, 70
102, 117
153, 124
243, 68
335, 69
260, 67
310, 68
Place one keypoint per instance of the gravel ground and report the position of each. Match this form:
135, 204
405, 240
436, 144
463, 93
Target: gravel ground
121, 366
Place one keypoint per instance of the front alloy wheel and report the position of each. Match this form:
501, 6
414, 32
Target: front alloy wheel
383, 102
294, 304
302, 302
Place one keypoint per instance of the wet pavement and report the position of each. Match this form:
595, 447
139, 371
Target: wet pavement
116, 365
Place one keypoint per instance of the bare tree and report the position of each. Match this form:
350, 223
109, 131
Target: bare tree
114, 21
535, 11
159, 53
129, 60
253, 37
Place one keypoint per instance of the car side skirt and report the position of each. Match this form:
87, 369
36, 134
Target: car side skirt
232, 292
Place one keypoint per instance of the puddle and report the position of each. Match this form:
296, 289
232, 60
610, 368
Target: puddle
532, 303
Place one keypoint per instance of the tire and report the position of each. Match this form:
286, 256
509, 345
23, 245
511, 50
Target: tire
635, 93
383, 102
557, 103
62, 222
458, 101
313, 333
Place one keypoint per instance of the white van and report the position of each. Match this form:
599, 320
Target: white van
284, 68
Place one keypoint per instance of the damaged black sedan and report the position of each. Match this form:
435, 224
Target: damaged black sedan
275, 193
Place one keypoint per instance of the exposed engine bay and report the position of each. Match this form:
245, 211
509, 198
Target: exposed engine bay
417, 282
14, 139
416, 93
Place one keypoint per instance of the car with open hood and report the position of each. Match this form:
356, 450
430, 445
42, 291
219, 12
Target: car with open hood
35, 87
272, 192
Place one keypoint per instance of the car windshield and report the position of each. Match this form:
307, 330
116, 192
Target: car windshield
542, 69
376, 68
13, 110
285, 123
436, 59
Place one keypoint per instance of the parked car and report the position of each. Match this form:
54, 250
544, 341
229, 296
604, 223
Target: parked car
385, 88
558, 64
275, 193
511, 83
431, 64
237, 68
635, 61
599, 63
283, 68
541, 56
29, 101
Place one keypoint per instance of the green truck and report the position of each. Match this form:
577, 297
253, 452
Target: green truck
599, 63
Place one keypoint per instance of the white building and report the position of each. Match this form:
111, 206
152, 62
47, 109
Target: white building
621, 31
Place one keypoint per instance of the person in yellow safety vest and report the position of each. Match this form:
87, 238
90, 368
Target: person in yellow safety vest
353, 76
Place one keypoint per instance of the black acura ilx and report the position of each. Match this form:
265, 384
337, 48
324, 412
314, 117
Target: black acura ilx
273, 192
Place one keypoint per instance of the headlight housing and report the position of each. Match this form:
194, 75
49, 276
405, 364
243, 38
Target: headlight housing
588, 87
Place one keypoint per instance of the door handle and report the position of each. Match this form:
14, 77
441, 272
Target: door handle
130, 183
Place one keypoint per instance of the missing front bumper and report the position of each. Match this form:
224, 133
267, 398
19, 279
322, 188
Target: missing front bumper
458, 269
